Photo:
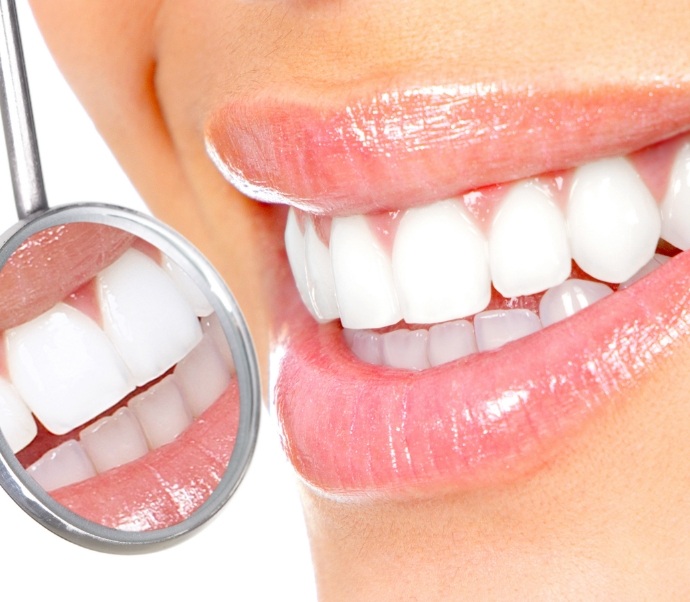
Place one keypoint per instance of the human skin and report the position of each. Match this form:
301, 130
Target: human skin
601, 517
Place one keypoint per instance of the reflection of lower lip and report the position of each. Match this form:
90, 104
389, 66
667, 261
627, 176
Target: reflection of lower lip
167, 485
352, 427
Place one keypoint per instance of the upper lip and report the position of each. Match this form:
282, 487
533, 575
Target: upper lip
409, 147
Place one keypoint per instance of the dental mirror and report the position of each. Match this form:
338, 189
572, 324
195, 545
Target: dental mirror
129, 388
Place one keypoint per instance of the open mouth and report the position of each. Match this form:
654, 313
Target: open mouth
449, 341
117, 382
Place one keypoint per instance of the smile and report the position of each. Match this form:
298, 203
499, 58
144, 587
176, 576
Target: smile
116, 381
466, 347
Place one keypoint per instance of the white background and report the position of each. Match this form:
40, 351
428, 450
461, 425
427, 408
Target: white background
256, 549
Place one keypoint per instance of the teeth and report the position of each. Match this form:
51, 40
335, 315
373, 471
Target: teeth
187, 288
451, 341
528, 243
202, 376
568, 298
17, 424
366, 345
494, 329
52, 352
363, 275
211, 326
61, 466
440, 264
675, 208
162, 412
319, 275
405, 349
613, 220
114, 440
655, 262
295, 249
150, 323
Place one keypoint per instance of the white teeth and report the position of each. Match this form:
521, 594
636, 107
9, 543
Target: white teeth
568, 298
17, 424
528, 243
319, 275
162, 412
495, 328
366, 345
188, 288
405, 349
148, 320
62, 466
675, 208
363, 275
114, 440
211, 326
294, 247
202, 376
655, 262
451, 341
440, 264
613, 220
65, 368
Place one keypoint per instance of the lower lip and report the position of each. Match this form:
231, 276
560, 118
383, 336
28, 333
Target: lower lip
352, 428
178, 477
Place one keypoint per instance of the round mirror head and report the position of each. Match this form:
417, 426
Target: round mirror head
129, 394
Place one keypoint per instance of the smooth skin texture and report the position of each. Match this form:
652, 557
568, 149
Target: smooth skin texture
607, 518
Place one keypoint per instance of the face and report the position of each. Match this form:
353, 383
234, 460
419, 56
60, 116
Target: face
442, 190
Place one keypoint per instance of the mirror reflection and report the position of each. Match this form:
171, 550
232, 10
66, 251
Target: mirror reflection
117, 385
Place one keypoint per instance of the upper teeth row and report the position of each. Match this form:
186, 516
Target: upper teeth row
66, 369
442, 265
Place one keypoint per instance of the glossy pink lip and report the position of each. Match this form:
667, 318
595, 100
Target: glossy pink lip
401, 149
350, 427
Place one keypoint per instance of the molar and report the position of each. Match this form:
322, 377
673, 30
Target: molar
528, 243
440, 264
613, 220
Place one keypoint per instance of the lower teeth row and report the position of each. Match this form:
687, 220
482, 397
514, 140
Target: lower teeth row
422, 348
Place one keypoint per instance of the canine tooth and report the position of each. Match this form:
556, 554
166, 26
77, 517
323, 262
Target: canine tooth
211, 326
65, 368
188, 288
568, 298
451, 341
528, 243
366, 345
319, 275
162, 412
440, 264
613, 220
147, 319
675, 208
655, 262
294, 247
114, 440
61, 466
17, 424
202, 376
495, 328
405, 349
363, 276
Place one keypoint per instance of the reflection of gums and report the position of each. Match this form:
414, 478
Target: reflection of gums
168, 484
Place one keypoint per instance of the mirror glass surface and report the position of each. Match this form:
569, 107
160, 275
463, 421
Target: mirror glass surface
118, 389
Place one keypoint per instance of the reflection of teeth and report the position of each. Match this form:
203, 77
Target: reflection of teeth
211, 326
114, 440
16, 421
363, 276
440, 264
151, 419
567, 299
613, 220
189, 290
63, 465
52, 352
150, 323
528, 243
675, 209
